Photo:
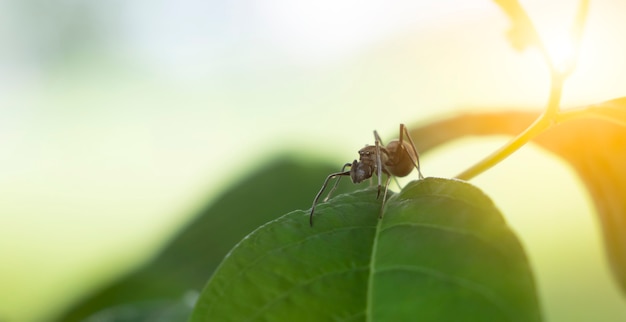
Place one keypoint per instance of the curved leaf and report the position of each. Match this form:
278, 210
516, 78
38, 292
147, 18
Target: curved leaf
613, 111
442, 252
595, 148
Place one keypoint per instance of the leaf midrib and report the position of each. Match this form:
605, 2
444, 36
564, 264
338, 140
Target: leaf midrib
370, 278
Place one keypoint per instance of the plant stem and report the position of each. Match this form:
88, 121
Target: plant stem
552, 113
543, 122
537, 127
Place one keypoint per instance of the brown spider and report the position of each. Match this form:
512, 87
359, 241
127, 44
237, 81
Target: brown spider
398, 159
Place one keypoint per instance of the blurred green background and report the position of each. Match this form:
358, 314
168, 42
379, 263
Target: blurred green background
121, 121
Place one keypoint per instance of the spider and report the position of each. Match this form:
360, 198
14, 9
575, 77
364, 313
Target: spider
398, 159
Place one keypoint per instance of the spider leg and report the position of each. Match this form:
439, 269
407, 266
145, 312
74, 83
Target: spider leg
377, 138
416, 163
395, 179
317, 197
379, 162
343, 169
382, 206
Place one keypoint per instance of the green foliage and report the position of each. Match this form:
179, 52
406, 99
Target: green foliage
189, 259
442, 252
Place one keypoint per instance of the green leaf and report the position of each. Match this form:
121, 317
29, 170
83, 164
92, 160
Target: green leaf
442, 252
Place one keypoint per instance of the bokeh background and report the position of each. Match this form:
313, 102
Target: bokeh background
119, 120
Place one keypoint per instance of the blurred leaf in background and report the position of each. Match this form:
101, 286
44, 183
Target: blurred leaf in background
185, 264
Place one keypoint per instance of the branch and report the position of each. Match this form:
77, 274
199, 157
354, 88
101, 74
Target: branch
547, 119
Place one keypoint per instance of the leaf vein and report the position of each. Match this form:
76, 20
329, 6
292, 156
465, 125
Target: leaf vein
463, 232
303, 284
266, 254
477, 288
